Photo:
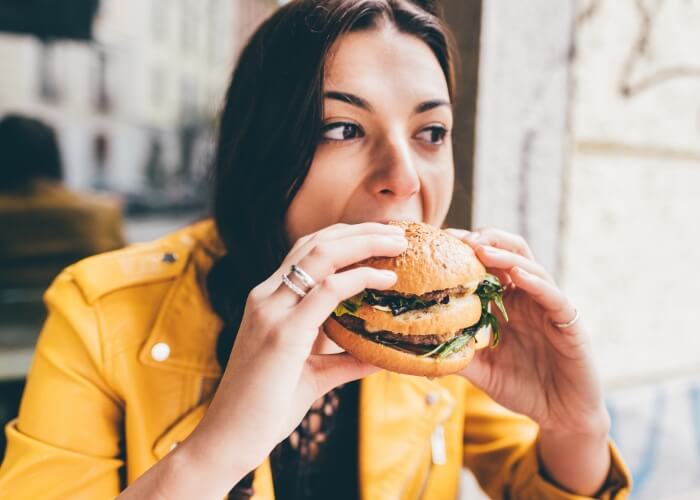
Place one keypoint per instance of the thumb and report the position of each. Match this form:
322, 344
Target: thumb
477, 371
332, 370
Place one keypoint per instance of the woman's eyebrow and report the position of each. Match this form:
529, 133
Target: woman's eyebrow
359, 102
432, 104
349, 99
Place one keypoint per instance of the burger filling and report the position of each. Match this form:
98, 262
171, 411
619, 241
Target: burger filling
427, 345
398, 303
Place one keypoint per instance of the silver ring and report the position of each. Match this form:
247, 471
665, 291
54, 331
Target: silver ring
292, 286
305, 278
568, 323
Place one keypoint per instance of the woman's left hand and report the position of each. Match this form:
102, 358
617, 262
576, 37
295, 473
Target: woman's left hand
538, 369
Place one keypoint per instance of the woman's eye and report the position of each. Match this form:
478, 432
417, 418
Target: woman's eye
342, 131
433, 135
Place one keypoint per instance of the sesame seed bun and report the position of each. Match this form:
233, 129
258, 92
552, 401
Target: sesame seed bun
435, 261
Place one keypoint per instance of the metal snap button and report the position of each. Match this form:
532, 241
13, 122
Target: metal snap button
431, 398
160, 351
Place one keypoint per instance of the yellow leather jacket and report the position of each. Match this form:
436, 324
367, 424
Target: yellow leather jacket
125, 367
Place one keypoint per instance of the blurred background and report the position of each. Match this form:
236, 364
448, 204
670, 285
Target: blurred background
578, 126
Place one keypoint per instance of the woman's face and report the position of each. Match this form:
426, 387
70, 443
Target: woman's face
386, 151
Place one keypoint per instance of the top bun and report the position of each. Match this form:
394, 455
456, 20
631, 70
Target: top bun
434, 260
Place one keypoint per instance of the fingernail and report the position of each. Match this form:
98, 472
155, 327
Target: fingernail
387, 274
396, 229
489, 250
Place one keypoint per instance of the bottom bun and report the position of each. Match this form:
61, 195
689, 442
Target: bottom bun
392, 359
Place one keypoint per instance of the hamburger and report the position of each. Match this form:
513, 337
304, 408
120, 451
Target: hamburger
427, 324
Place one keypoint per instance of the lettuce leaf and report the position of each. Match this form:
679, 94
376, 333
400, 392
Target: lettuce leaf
349, 306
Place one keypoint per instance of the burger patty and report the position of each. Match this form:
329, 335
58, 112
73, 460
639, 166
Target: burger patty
436, 296
357, 325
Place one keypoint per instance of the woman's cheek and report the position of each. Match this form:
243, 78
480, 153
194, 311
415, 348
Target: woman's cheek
328, 183
437, 185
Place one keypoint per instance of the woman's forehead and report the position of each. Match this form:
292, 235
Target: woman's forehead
384, 61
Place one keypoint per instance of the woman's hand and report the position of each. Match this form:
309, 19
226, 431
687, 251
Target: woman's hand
541, 370
538, 369
272, 377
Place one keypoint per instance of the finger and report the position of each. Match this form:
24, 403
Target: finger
464, 235
332, 370
477, 371
501, 239
546, 294
303, 245
322, 300
505, 259
327, 257
337, 231
503, 277
461, 234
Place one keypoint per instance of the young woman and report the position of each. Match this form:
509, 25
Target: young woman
337, 120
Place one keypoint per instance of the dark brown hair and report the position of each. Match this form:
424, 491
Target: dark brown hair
271, 125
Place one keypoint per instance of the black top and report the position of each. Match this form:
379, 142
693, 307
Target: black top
319, 459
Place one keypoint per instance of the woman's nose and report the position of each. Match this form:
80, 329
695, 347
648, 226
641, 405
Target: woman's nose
396, 175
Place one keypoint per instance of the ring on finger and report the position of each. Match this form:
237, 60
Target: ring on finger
292, 286
305, 277
306, 280
569, 323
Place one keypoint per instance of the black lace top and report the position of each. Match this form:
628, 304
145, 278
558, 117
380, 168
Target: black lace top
319, 459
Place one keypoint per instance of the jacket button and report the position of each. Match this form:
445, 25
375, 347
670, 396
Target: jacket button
169, 258
431, 398
160, 351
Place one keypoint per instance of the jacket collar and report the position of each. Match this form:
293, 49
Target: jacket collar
186, 324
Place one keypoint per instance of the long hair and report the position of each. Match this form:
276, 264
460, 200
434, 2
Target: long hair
270, 127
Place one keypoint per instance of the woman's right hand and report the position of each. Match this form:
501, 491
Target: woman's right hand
272, 377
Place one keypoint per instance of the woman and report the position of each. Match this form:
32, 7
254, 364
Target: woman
338, 118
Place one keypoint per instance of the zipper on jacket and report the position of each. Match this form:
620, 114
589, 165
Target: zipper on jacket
438, 450
424, 479
438, 447
438, 456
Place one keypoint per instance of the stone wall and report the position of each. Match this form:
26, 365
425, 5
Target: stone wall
632, 228
588, 144
632, 221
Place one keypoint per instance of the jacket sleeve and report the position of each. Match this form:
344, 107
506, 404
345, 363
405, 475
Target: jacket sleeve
500, 449
65, 442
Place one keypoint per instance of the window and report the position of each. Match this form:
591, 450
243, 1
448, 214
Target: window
48, 74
